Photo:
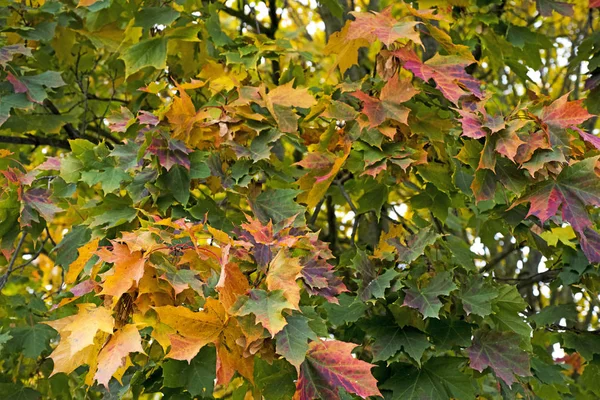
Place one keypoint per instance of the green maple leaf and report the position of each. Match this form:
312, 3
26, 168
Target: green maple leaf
440, 378
415, 246
426, 299
33, 340
197, 377
377, 287
277, 205
147, 53
267, 307
449, 333
477, 298
276, 380
292, 341
349, 309
390, 338
507, 307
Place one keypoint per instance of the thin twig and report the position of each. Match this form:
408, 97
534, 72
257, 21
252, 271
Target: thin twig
36, 141
496, 260
313, 218
11, 263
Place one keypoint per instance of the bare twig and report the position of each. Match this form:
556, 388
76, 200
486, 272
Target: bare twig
11, 263
36, 141
498, 259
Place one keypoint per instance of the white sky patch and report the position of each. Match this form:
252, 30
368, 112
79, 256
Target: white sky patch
563, 51
313, 27
348, 217
401, 209
477, 247
535, 76
542, 265
557, 351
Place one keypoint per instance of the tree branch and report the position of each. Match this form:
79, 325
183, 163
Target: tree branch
496, 260
94, 97
528, 280
246, 19
36, 141
11, 263
555, 328
71, 131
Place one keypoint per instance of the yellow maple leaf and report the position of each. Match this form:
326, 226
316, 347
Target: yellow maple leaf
128, 269
346, 51
81, 336
81, 328
116, 352
230, 355
563, 234
85, 253
283, 272
232, 283
194, 329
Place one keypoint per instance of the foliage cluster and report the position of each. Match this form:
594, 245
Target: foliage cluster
248, 200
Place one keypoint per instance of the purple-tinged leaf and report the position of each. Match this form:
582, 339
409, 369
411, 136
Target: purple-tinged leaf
500, 351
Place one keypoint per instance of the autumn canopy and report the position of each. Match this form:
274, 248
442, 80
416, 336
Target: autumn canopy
300, 199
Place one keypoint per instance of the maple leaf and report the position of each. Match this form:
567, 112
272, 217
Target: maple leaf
588, 137
317, 182
575, 188
230, 355
564, 113
500, 351
81, 328
439, 378
120, 121
182, 115
448, 72
382, 26
115, 353
389, 105
128, 268
292, 341
194, 329
471, 125
232, 284
85, 253
282, 274
389, 338
39, 200
79, 334
8, 52
545, 7
415, 246
280, 101
319, 276
262, 234
330, 365
267, 307
477, 298
346, 50
508, 142
426, 299
170, 152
